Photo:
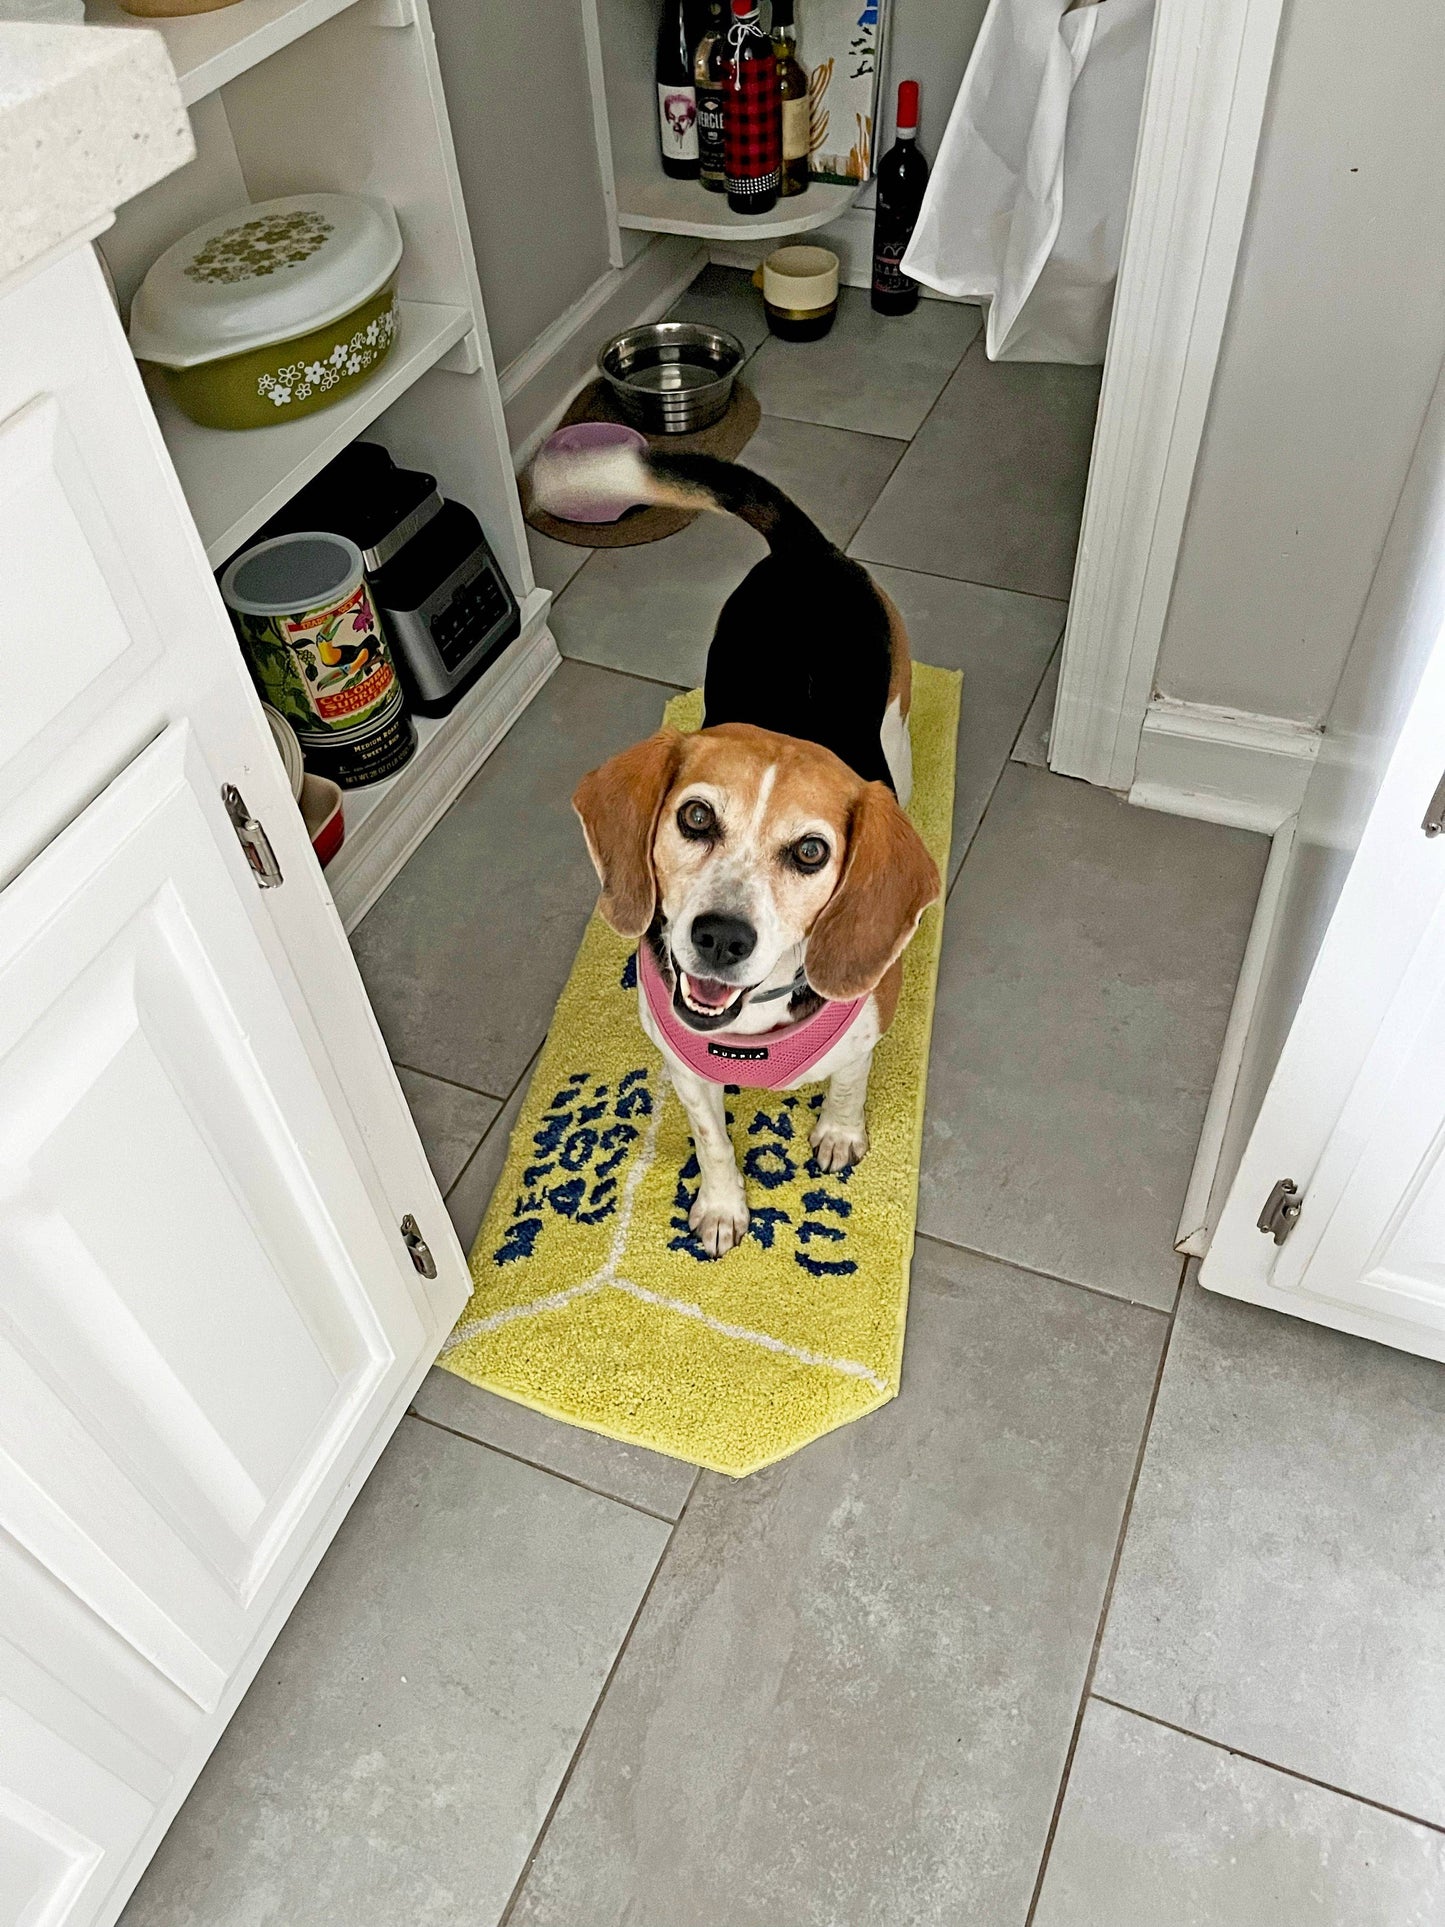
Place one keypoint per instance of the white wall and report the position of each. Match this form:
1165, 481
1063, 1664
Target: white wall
521, 113
930, 42
1333, 343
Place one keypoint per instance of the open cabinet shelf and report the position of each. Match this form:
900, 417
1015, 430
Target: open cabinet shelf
344, 96
236, 479
208, 49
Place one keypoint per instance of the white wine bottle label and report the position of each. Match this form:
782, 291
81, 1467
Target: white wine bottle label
677, 122
710, 130
797, 132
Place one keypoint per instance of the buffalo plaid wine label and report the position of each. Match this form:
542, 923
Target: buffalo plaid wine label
752, 112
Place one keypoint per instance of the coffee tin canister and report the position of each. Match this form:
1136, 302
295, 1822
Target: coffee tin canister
304, 612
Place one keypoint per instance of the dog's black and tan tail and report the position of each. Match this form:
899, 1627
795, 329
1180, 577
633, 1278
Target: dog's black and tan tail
657, 477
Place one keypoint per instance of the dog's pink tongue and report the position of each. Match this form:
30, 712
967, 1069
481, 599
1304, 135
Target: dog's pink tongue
707, 990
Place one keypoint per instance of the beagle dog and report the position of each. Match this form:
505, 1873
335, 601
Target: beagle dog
765, 864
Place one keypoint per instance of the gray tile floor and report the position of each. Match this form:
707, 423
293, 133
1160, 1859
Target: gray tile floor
1129, 1612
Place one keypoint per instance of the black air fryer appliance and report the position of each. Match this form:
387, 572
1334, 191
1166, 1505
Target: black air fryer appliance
448, 610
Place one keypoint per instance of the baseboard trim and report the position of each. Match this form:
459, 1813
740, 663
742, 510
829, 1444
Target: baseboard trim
1222, 765
539, 385
1196, 1220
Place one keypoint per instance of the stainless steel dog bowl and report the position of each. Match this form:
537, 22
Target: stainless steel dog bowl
672, 376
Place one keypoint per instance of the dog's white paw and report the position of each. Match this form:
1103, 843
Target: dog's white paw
836, 1146
719, 1223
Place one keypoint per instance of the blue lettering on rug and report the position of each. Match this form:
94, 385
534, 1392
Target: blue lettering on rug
579, 1146
772, 1162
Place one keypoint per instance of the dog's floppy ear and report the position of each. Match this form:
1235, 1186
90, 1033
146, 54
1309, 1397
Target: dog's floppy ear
888, 881
618, 805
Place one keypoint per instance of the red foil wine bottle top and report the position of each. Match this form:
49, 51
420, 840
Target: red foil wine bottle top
907, 96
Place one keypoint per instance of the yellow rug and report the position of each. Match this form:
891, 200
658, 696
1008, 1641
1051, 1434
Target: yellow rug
593, 1301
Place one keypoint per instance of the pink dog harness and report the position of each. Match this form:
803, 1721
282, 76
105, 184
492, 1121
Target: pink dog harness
766, 1061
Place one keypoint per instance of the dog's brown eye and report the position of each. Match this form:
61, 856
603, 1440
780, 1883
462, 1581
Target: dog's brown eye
696, 818
810, 853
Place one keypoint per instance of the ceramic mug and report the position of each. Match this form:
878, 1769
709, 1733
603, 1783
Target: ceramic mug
800, 292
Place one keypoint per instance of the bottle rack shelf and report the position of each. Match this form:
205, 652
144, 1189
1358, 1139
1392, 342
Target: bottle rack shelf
620, 39
662, 206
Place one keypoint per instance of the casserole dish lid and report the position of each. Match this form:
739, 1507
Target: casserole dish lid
262, 274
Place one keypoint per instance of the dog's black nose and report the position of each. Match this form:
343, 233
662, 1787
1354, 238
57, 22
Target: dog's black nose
721, 940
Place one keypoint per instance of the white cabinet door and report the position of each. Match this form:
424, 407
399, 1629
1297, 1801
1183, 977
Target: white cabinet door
209, 1317
204, 1310
1354, 1115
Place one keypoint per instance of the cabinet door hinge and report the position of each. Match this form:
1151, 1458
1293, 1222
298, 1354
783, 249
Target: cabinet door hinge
1281, 1210
252, 838
1433, 821
417, 1245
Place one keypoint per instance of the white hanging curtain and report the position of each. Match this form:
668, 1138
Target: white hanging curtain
1025, 209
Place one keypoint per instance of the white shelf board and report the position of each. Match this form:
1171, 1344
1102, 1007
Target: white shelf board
235, 479
208, 49
658, 205
385, 821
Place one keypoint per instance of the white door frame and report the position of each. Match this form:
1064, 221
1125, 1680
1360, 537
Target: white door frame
1204, 101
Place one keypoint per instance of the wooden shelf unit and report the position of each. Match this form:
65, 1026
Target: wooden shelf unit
255, 76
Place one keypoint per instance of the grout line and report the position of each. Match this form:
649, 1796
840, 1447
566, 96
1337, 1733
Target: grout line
1050, 1277
520, 1458
1274, 1766
1107, 1601
900, 442
454, 1083
633, 675
524, 1073
967, 581
972, 839
944, 387
586, 1733
1013, 755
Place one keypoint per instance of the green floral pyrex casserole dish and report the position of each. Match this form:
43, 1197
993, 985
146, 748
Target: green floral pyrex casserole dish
271, 311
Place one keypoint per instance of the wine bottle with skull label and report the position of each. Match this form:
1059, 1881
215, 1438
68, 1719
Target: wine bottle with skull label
676, 93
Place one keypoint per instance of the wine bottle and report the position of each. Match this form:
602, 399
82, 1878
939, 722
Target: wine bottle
902, 177
752, 114
709, 71
676, 95
793, 89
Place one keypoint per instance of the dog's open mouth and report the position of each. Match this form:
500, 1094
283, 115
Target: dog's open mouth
706, 1002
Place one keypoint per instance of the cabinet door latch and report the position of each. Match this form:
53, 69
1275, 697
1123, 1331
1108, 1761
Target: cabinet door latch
417, 1245
252, 838
1281, 1210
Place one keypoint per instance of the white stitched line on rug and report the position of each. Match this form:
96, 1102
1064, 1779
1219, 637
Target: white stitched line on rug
557, 1300
554, 1301
607, 1275
641, 1165
850, 1366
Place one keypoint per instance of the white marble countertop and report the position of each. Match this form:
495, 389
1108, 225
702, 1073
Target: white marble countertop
88, 117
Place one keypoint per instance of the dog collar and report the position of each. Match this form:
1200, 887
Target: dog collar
765, 1061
